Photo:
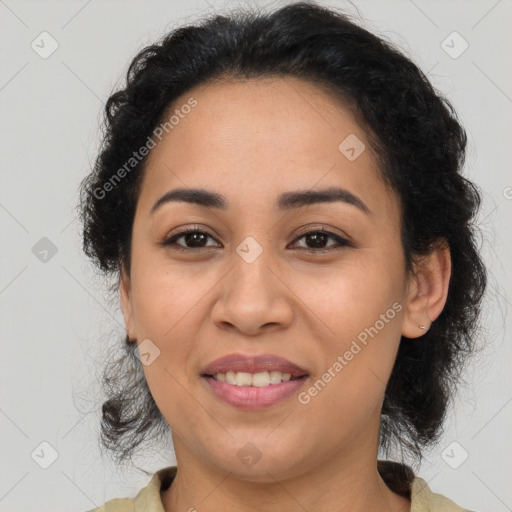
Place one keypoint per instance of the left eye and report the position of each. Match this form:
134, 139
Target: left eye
318, 238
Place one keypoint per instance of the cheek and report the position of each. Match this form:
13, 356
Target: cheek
163, 296
353, 296
346, 397
169, 310
362, 311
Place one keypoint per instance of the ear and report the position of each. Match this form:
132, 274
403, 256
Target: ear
427, 291
126, 302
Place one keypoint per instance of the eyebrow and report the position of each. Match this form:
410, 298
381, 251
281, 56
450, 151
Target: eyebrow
286, 201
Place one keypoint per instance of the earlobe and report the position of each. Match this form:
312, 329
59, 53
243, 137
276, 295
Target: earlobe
428, 291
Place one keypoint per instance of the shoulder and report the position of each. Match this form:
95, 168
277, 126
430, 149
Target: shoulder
424, 500
116, 505
147, 499
401, 479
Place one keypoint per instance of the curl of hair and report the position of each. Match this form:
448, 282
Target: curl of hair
412, 129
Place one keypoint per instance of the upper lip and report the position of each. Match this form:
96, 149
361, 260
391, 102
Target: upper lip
253, 364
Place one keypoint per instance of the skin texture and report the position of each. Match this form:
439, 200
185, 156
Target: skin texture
250, 141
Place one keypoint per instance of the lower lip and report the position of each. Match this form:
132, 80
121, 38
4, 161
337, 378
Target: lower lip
251, 397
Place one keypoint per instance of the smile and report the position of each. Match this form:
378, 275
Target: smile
260, 379
255, 391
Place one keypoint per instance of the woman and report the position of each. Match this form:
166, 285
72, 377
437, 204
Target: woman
280, 198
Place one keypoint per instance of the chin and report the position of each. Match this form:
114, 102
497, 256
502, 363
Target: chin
263, 462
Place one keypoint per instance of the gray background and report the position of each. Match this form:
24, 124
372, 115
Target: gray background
56, 322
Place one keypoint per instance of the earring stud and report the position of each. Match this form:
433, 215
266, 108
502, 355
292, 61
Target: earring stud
422, 327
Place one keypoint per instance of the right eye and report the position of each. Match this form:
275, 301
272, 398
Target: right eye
192, 236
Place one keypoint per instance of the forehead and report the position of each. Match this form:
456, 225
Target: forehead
259, 138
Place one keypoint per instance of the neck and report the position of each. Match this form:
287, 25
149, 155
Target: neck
345, 482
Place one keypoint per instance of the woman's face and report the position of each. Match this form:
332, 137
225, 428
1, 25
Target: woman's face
252, 284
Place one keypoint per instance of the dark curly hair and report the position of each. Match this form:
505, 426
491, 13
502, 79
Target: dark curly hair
420, 146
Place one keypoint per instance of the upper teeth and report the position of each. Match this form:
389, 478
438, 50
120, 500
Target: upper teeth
260, 379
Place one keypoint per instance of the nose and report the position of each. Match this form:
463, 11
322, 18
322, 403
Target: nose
254, 297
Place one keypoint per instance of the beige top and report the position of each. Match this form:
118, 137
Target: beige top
148, 499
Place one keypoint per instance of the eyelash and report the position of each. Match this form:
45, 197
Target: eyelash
343, 242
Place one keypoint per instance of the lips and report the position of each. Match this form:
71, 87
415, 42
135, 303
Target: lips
253, 364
